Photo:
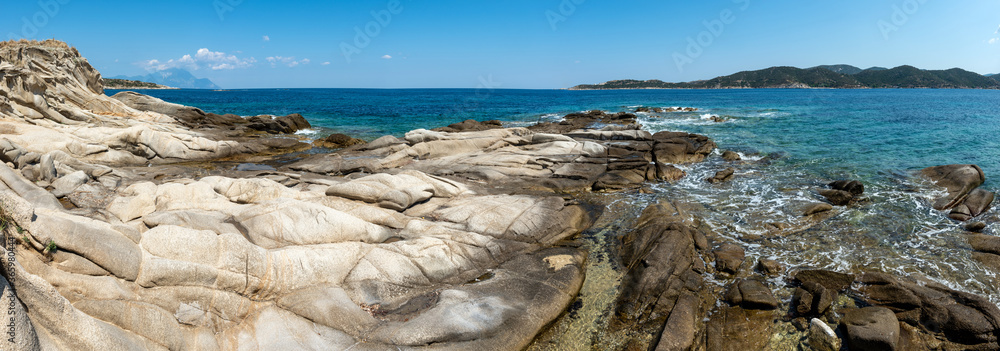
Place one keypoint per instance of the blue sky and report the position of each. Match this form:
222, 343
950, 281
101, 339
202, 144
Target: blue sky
506, 44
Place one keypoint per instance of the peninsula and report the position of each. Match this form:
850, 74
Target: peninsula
834, 76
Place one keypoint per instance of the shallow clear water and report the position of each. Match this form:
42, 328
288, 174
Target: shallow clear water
794, 141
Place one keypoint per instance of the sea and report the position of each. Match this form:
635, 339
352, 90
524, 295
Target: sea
793, 142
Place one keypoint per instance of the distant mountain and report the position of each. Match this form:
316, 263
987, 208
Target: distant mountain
174, 77
837, 76
842, 69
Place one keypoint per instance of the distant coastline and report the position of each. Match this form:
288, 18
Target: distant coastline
126, 84
821, 77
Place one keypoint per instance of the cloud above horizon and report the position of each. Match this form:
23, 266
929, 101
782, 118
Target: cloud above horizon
288, 61
203, 58
994, 40
387, 57
267, 38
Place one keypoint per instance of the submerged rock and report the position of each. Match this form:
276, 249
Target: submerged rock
822, 337
837, 197
816, 208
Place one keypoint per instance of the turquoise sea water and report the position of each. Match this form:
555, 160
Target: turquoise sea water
851, 132
795, 141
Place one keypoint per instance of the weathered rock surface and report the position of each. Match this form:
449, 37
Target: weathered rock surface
729, 258
470, 126
960, 180
722, 176
338, 141
751, 295
580, 159
663, 289
140, 258
960, 319
816, 208
871, 329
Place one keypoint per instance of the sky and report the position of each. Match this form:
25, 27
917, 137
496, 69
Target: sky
530, 44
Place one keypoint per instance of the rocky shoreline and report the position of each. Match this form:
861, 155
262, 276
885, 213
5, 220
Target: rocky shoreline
141, 224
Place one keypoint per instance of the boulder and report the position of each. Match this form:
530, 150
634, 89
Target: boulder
751, 295
966, 320
68, 183
822, 337
731, 156
813, 299
729, 258
871, 329
960, 180
854, 187
977, 202
722, 176
770, 267
975, 227
278, 125
681, 148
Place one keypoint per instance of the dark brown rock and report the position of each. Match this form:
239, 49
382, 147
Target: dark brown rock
739, 329
729, 258
770, 267
813, 299
854, 187
975, 227
470, 125
278, 125
871, 328
985, 243
830, 280
751, 295
663, 264
681, 148
669, 173
816, 208
978, 202
722, 176
338, 141
731, 156
837, 197
967, 320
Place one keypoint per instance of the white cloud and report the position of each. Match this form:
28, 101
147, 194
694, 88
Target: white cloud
326, 63
204, 58
387, 57
267, 38
288, 61
994, 41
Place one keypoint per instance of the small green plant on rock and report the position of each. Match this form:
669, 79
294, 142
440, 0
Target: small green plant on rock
51, 247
